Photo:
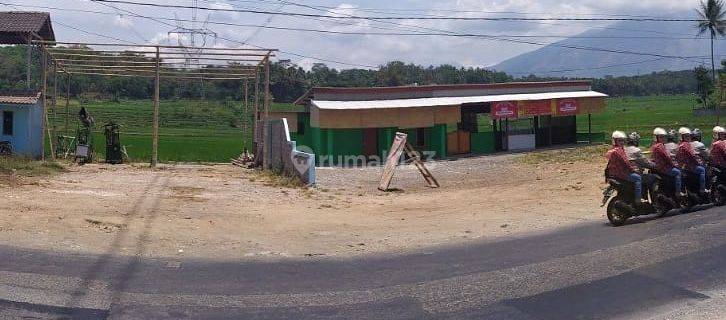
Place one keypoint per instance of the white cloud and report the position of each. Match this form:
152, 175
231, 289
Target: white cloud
363, 50
123, 22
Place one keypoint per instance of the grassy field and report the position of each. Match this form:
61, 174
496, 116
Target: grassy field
643, 114
194, 131
190, 131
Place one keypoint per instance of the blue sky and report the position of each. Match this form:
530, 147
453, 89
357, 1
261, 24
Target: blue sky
366, 50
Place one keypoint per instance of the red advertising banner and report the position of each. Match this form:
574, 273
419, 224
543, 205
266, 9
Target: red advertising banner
535, 108
568, 106
504, 109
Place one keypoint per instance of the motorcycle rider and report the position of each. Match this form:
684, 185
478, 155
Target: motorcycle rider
718, 148
671, 143
698, 146
689, 160
664, 163
635, 154
619, 167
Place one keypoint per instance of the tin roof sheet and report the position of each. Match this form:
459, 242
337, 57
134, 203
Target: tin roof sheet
449, 101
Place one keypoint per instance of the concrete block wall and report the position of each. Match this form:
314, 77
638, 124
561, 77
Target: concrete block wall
282, 154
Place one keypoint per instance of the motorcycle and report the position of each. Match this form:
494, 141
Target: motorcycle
694, 197
717, 184
6, 149
659, 197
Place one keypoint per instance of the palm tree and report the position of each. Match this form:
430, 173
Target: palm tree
712, 21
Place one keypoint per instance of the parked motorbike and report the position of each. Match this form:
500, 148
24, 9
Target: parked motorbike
6, 149
659, 197
717, 184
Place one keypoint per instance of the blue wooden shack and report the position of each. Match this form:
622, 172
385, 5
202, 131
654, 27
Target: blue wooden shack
21, 123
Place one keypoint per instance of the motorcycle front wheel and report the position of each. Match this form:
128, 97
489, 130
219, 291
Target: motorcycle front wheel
616, 213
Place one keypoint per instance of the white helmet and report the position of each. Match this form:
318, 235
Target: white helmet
718, 129
619, 135
684, 130
659, 132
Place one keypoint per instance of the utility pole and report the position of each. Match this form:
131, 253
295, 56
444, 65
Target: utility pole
29, 61
155, 129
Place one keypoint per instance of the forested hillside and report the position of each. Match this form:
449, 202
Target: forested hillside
290, 81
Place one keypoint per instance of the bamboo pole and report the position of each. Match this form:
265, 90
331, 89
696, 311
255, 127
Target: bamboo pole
155, 129
53, 110
245, 117
68, 98
266, 128
268, 97
154, 76
29, 61
44, 86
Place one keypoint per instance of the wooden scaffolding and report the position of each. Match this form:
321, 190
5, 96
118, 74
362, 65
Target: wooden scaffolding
157, 62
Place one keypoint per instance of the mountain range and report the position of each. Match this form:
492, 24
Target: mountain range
602, 51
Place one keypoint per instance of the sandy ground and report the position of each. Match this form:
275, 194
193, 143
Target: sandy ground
227, 212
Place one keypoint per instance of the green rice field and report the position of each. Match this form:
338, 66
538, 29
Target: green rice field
189, 131
199, 131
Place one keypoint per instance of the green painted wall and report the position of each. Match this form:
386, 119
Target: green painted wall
305, 138
385, 139
436, 138
482, 142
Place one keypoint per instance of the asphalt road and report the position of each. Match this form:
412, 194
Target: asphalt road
670, 268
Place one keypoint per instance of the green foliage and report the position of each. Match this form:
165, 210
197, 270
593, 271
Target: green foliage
705, 87
28, 167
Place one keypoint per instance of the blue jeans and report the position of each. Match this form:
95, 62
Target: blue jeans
637, 181
701, 171
676, 175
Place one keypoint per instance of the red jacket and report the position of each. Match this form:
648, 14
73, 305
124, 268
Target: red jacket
687, 156
718, 154
618, 165
662, 158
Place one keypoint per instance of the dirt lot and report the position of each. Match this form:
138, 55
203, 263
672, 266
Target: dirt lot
226, 212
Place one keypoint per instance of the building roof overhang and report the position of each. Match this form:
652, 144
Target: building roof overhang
449, 101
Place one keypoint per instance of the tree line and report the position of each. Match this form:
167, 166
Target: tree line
290, 81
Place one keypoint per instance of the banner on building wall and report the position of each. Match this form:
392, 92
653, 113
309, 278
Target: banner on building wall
534, 108
568, 107
504, 109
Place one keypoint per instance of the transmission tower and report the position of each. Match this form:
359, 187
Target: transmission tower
193, 37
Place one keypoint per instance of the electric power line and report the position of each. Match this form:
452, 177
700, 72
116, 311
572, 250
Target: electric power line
396, 18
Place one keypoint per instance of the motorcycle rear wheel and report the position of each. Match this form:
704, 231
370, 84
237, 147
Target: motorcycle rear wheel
718, 195
616, 214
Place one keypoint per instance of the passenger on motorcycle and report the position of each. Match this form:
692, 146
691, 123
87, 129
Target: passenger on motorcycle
664, 163
635, 154
619, 167
698, 146
671, 143
688, 159
718, 148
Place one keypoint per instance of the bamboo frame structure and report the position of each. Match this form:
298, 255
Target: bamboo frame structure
157, 62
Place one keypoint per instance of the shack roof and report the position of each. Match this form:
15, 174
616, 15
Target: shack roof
16, 26
20, 98
434, 91
450, 101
